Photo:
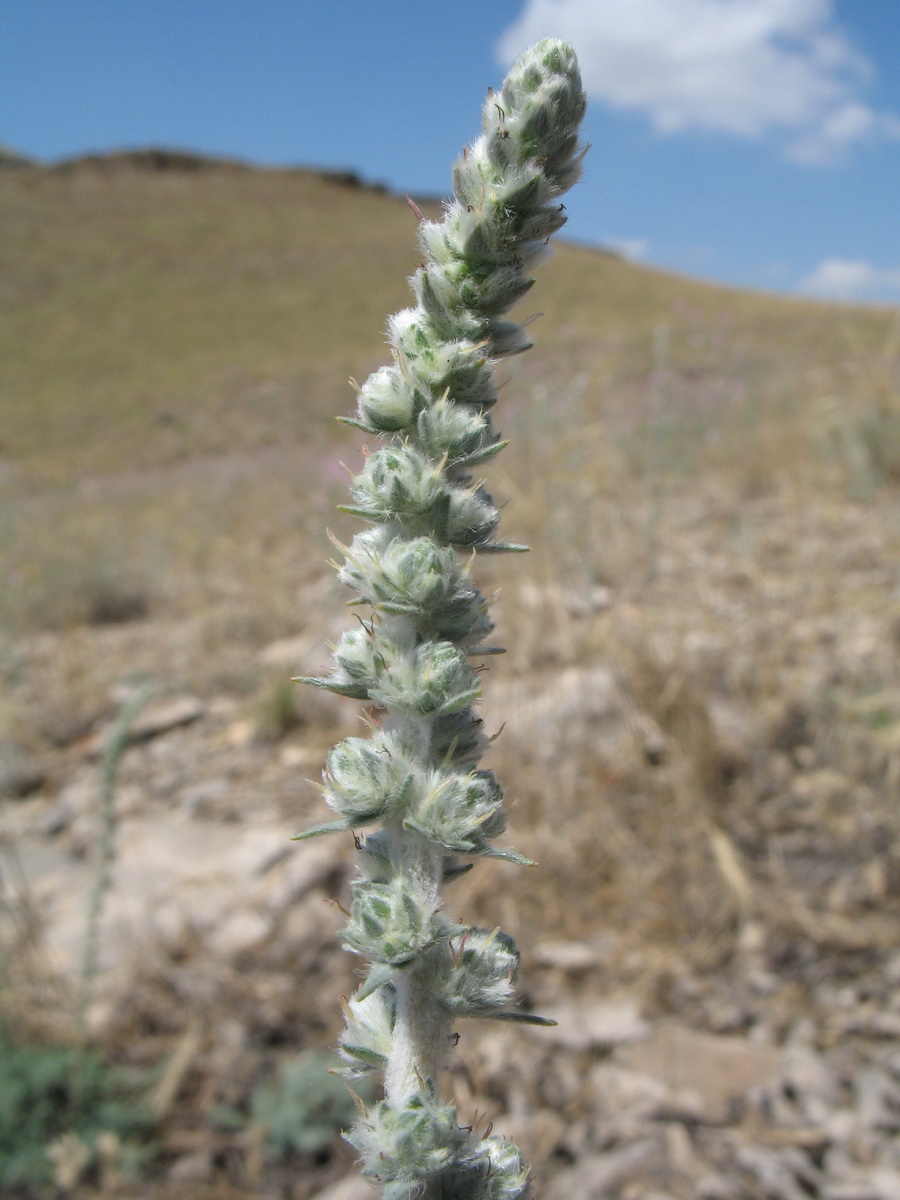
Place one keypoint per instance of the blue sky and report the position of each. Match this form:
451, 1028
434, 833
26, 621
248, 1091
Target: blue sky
754, 142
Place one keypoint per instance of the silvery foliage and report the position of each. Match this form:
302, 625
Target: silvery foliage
417, 776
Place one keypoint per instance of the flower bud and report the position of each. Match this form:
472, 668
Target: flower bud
389, 922
410, 1142
387, 403
435, 679
447, 430
478, 973
458, 369
368, 1034
460, 812
358, 662
420, 579
507, 1176
400, 485
367, 778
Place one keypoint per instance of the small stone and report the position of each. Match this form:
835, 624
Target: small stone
568, 956
872, 1024
159, 718
736, 731
20, 773
288, 654
679, 1151
886, 1182
717, 1187
719, 1070
772, 1171
192, 1168
169, 921
585, 603
594, 1026
595, 1177
351, 1187
300, 870
620, 1092
240, 734
840, 1125
152, 721
56, 819
555, 713
805, 1076
240, 932
205, 798
855, 1190
877, 1101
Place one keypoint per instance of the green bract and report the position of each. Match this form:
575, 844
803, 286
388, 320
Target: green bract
409, 1142
417, 578
460, 812
477, 977
411, 658
420, 1144
368, 1033
430, 679
391, 923
366, 778
402, 487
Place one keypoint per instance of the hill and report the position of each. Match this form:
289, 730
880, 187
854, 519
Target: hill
700, 706
158, 305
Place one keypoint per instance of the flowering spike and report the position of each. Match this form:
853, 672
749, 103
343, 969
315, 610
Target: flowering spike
417, 774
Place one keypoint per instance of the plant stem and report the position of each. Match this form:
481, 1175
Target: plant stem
115, 746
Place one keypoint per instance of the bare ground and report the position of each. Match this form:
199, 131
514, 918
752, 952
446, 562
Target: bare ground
701, 746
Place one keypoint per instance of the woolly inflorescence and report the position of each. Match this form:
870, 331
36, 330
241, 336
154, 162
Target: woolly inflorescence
416, 777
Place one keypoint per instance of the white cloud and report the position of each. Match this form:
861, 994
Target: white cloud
851, 279
742, 67
847, 123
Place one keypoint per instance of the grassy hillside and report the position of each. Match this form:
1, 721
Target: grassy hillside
176, 337
149, 315
154, 309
